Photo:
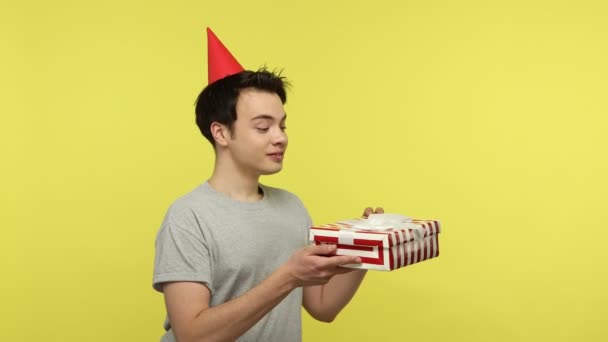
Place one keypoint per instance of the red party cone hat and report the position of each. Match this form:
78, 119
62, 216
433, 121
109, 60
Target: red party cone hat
220, 61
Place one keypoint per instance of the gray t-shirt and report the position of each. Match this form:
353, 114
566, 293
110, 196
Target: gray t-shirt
231, 246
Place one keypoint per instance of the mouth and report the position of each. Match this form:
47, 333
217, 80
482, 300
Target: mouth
277, 156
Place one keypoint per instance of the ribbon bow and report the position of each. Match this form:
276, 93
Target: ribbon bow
382, 222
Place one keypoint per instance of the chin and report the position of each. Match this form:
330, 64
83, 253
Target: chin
271, 171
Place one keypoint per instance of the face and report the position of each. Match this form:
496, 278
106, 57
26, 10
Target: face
257, 141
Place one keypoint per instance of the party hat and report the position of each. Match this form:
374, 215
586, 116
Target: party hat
220, 61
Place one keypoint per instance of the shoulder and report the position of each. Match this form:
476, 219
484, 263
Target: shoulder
184, 210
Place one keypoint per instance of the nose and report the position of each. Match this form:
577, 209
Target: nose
279, 137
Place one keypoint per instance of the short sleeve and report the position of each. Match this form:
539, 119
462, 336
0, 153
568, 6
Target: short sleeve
307, 221
307, 230
181, 255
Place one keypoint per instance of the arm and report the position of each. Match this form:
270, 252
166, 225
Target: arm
192, 319
324, 302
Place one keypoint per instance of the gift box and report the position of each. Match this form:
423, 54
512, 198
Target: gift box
382, 241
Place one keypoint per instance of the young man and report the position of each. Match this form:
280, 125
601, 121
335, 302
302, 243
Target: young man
232, 256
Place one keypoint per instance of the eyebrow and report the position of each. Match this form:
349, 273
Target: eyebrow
268, 117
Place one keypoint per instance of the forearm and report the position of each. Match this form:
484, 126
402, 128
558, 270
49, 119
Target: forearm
329, 299
230, 320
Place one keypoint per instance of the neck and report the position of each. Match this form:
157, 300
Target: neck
235, 183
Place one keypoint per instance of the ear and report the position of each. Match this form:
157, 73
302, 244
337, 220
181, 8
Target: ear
220, 133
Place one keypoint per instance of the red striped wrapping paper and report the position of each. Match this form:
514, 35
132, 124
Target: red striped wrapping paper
383, 250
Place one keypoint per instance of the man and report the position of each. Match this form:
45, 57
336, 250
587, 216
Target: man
232, 256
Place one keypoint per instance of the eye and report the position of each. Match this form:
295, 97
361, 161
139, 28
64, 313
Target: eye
262, 129
283, 128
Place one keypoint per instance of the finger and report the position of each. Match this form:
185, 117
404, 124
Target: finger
323, 249
368, 211
341, 260
379, 210
342, 270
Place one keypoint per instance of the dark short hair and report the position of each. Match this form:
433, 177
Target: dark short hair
217, 102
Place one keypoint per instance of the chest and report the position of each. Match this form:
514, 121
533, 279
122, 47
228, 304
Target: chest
248, 250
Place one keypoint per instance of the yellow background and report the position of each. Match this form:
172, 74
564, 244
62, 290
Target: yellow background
489, 116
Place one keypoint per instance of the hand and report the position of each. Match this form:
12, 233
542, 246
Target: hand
368, 211
317, 264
